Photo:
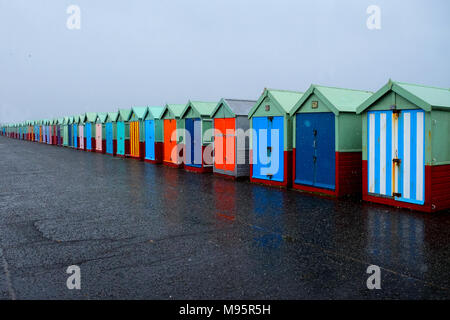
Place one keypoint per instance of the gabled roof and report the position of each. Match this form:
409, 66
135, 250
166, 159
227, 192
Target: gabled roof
156, 112
82, 118
235, 106
101, 116
140, 112
91, 116
425, 97
336, 99
112, 117
176, 109
125, 114
202, 108
284, 99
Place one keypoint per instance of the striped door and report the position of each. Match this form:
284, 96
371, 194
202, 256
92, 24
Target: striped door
134, 138
396, 161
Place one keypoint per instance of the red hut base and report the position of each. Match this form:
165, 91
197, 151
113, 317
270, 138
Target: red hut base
348, 176
159, 149
286, 183
437, 191
201, 169
172, 165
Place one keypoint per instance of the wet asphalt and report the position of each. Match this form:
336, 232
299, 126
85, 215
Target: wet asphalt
144, 231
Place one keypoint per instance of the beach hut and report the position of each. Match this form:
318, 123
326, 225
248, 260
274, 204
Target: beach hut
111, 132
173, 125
54, 132
75, 137
60, 131
123, 133
154, 135
198, 136
406, 149
89, 130
137, 132
36, 130
81, 132
47, 131
100, 134
271, 138
231, 145
327, 141
65, 131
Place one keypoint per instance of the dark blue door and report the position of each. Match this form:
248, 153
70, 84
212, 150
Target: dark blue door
69, 135
193, 145
150, 139
109, 138
268, 148
315, 150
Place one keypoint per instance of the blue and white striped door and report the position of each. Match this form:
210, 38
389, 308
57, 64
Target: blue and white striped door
397, 136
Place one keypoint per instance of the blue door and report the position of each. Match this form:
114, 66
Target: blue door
150, 139
121, 138
88, 136
268, 148
194, 146
109, 138
69, 135
75, 136
315, 150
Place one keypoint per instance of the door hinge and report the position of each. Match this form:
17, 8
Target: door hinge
270, 118
397, 161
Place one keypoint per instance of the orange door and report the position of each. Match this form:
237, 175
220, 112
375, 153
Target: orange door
170, 126
224, 144
134, 138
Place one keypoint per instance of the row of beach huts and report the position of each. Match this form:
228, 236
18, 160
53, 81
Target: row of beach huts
392, 146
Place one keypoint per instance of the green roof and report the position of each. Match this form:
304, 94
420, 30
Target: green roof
112, 116
125, 114
425, 97
176, 109
101, 116
336, 99
156, 111
91, 116
140, 112
203, 108
285, 99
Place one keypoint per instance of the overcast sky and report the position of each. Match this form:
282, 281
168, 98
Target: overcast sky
144, 52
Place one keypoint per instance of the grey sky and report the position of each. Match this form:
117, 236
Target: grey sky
144, 52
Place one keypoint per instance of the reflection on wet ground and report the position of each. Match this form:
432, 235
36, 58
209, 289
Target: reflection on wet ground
139, 230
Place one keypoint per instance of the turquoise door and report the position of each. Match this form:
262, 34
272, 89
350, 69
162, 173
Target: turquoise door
88, 136
121, 138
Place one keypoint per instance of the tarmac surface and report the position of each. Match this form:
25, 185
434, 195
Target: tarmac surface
144, 231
